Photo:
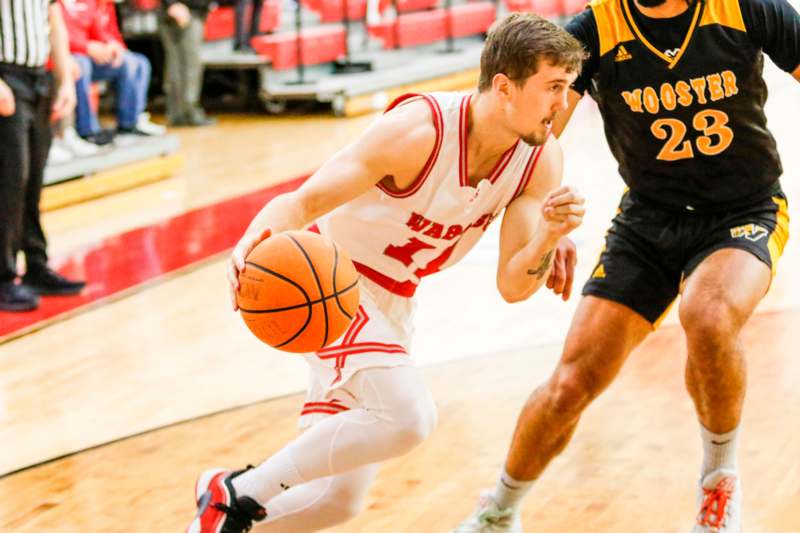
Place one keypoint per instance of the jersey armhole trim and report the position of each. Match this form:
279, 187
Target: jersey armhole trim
438, 123
529, 168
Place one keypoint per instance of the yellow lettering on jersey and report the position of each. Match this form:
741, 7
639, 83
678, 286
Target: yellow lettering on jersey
699, 86
634, 100
712, 87
729, 79
650, 100
715, 91
684, 93
668, 99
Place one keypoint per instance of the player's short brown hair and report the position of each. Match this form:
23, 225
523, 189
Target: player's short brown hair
517, 43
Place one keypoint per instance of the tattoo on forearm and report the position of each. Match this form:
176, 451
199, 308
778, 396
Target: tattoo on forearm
544, 266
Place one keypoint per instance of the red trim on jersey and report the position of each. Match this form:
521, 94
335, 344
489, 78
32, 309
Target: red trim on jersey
438, 123
360, 347
324, 411
463, 136
502, 163
526, 175
332, 407
400, 288
355, 328
463, 133
333, 404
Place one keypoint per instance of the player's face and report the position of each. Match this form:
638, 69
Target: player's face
534, 106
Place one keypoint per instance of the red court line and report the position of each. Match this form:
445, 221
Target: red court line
132, 258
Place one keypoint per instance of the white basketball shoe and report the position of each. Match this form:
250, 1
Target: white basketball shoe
489, 518
720, 501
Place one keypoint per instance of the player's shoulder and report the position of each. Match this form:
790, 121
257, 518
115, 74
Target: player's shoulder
584, 21
412, 123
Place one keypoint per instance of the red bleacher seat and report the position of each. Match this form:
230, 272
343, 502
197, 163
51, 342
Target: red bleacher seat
545, 8
406, 6
413, 29
320, 44
471, 19
220, 22
146, 5
333, 10
423, 27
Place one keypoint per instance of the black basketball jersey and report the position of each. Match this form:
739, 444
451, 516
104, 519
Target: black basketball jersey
685, 119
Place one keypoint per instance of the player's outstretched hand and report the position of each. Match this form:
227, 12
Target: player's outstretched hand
563, 271
236, 263
562, 210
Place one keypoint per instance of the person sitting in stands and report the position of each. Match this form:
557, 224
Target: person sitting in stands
96, 44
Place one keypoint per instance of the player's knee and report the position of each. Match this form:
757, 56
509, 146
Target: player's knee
571, 390
129, 65
711, 324
415, 423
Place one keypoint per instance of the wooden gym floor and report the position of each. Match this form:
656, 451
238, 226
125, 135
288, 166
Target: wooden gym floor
108, 413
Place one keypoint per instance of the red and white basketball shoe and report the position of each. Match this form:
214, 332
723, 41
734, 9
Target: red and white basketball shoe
219, 510
720, 502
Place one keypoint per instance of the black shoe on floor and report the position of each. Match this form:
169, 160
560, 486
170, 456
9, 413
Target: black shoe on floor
15, 297
100, 138
48, 282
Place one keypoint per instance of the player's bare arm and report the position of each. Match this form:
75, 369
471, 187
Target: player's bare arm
532, 227
394, 148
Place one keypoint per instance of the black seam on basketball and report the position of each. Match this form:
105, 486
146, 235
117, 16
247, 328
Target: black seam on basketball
299, 287
319, 286
298, 306
335, 265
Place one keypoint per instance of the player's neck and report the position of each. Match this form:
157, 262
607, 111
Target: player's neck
669, 9
484, 138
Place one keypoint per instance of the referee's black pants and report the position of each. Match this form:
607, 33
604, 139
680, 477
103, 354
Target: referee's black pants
25, 139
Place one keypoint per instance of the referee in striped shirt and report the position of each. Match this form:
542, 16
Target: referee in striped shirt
30, 32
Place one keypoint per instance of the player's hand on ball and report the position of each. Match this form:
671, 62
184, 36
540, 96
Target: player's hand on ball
563, 271
236, 263
563, 210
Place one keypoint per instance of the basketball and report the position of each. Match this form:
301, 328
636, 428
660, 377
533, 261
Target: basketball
298, 291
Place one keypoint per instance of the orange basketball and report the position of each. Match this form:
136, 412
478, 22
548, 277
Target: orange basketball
298, 291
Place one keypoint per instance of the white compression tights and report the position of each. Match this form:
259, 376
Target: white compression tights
332, 464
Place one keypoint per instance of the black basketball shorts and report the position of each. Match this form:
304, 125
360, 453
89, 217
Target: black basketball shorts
650, 249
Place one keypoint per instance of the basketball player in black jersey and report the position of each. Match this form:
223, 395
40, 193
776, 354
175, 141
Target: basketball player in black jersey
679, 87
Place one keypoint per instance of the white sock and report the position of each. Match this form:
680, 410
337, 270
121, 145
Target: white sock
509, 491
270, 478
719, 450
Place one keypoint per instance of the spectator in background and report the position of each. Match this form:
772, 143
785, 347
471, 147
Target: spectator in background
182, 27
26, 104
98, 48
67, 144
241, 38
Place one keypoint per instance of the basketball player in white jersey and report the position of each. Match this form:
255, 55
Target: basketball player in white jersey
408, 198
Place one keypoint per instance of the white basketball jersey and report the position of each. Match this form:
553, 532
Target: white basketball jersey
397, 237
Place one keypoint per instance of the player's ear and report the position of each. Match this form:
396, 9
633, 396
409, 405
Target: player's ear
502, 85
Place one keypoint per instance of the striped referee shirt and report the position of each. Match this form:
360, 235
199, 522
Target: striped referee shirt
24, 32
